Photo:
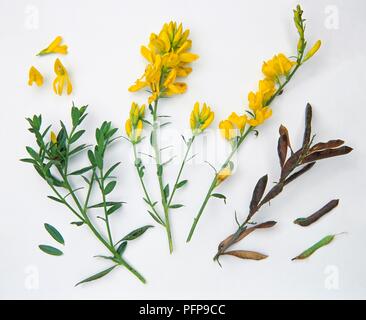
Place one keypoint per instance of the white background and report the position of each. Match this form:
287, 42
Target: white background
232, 39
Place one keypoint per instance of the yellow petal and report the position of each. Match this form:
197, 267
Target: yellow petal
188, 57
128, 128
53, 138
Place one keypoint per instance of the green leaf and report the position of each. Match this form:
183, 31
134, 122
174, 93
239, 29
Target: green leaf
32, 153
107, 174
114, 208
54, 233
101, 204
155, 217
50, 250
159, 170
76, 136
97, 275
92, 158
28, 160
98, 160
109, 187
78, 223
75, 116
166, 191
122, 247
81, 171
219, 196
181, 184
55, 199
136, 233
176, 206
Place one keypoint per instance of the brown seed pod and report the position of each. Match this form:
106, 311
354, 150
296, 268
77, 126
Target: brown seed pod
308, 117
283, 144
258, 192
299, 173
244, 254
326, 145
304, 222
328, 153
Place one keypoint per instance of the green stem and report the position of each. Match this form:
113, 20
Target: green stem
189, 145
236, 147
159, 173
147, 196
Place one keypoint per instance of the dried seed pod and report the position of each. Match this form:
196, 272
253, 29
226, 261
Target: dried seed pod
275, 191
244, 254
308, 117
291, 164
236, 237
299, 173
304, 222
326, 145
308, 252
283, 144
328, 153
258, 192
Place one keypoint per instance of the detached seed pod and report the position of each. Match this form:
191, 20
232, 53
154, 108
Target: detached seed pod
304, 222
244, 254
308, 252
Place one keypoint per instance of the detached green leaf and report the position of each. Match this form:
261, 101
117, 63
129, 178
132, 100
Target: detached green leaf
54, 233
97, 276
136, 233
219, 196
50, 250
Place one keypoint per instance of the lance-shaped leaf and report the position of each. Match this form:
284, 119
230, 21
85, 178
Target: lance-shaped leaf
244, 254
304, 222
307, 132
54, 233
135, 233
50, 250
283, 144
328, 153
258, 192
97, 276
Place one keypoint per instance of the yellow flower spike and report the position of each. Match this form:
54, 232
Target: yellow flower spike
227, 129
62, 78
223, 175
54, 47
35, 76
313, 50
134, 123
278, 66
53, 137
200, 120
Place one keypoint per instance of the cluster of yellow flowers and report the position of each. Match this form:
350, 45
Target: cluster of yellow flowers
168, 56
201, 119
274, 69
62, 77
134, 124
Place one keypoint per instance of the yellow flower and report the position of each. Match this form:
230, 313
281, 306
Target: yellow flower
260, 116
62, 78
168, 56
313, 50
259, 99
54, 47
223, 175
227, 129
278, 66
238, 121
53, 137
200, 120
134, 124
35, 76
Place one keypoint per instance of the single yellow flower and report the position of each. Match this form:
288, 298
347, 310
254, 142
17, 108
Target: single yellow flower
223, 175
200, 120
260, 116
35, 76
134, 124
53, 137
313, 50
54, 47
62, 78
238, 121
278, 66
227, 129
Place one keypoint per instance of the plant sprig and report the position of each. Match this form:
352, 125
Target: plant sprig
51, 161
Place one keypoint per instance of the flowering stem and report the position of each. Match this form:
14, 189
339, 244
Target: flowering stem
236, 147
159, 172
147, 196
189, 145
